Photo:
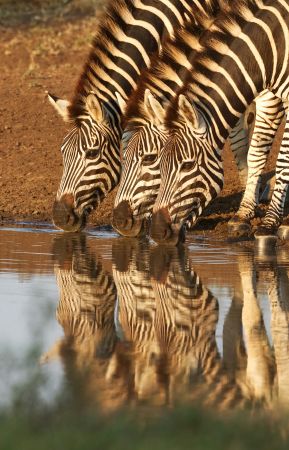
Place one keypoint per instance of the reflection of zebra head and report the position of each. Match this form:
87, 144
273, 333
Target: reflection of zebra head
86, 304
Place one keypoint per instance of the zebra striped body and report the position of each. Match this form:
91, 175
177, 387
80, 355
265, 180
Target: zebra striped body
128, 34
233, 68
145, 134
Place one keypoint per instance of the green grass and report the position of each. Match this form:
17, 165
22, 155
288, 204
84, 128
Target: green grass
180, 429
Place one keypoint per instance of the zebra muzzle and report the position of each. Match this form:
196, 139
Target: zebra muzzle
163, 231
65, 217
124, 222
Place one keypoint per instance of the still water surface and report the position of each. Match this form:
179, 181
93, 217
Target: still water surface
118, 322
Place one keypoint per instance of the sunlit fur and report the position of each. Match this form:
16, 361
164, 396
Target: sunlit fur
128, 33
236, 65
145, 135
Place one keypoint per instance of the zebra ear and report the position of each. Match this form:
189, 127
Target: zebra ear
190, 114
121, 102
94, 108
154, 109
60, 105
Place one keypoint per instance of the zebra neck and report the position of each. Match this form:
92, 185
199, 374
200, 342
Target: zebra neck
168, 70
236, 67
129, 32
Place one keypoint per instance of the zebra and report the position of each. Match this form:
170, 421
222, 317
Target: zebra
229, 72
87, 297
145, 134
129, 32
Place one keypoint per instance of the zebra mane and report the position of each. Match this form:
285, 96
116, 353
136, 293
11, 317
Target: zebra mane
224, 29
111, 23
172, 53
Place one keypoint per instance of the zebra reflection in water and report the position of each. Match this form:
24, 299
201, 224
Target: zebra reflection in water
147, 334
87, 297
169, 320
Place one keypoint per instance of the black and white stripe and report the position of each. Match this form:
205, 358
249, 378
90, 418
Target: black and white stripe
129, 32
233, 69
87, 297
145, 133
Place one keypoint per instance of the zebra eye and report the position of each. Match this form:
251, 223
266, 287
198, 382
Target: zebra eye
92, 154
149, 159
187, 166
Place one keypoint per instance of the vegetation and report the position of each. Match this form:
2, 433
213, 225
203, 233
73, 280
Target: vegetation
181, 429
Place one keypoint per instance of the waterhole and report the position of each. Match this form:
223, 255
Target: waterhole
112, 322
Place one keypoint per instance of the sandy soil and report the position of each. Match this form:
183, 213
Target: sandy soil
45, 51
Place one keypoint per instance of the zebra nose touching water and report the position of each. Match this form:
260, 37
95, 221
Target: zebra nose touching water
146, 134
230, 70
128, 34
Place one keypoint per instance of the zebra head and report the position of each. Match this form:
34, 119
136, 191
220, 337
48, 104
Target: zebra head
91, 163
191, 173
142, 142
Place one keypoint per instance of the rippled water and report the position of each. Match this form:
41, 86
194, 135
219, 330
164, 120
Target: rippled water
119, 322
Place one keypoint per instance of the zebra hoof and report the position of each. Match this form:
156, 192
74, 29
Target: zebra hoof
238, 227
283, 232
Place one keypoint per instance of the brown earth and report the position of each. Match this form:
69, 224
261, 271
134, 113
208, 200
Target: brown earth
43, 46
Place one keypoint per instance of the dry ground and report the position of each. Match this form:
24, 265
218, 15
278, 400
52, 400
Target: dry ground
43, 46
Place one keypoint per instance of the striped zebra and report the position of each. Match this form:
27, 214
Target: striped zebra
87, 297
129, 32
231, 69
168, 321
145, 134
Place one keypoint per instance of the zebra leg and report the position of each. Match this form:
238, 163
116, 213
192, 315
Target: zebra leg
269, 114
239, 140
267, 232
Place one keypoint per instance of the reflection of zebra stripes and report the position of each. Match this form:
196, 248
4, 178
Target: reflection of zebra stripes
87, 297
128, 33
229, 72
168, 320
185, 323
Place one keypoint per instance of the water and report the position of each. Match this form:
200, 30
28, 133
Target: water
115, 322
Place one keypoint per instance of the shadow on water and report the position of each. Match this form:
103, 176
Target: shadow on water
145, 332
